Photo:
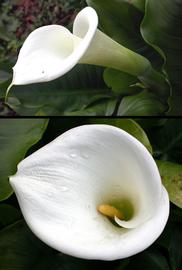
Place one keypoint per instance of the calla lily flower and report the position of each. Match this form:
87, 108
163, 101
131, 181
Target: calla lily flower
94, 192
51, 51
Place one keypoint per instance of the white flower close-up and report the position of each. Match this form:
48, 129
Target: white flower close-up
94, 192
51, 51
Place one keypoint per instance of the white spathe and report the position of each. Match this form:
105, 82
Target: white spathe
51, 51
60, 186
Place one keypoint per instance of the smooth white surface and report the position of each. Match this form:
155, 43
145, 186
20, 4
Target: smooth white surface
60, 186
51, 51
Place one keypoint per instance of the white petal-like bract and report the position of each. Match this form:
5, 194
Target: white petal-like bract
60, 186
51, 51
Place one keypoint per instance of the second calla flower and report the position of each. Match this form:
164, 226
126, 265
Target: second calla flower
94, 192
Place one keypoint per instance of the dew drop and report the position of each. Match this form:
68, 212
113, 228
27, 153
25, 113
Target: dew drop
84, 155
63, 188
50, 194
88, 206
73, 155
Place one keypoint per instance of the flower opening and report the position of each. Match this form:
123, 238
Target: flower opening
61, 186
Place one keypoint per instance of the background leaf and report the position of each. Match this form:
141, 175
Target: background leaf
142, 104
171, 175
120, 82
70, 94
8, 215
167, 140
16, 137
175, 248
140, 4
161, 28
151, 259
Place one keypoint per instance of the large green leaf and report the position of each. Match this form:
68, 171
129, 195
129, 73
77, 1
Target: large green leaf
171, 174
129, 126
20, 249
171, 238
69, 94
4, 76
103, 106
168, 140
16, 137
161, 28
140, 4
8, 215
151, 259
142, 104
120, 82
175, 248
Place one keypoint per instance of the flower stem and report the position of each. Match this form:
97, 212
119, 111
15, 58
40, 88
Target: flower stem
7, 92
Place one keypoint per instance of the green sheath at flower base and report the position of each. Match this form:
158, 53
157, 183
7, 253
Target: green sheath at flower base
104, 51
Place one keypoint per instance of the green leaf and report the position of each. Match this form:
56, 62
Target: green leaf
8, 215
142, 104
122, 264
140, 4
104, 106
161, 28
16, 137
120, 82
129, 126
168, 140
171, 174
71, 93
20, 249
5, 110
4, 76
171, 238
175, 248
151, 259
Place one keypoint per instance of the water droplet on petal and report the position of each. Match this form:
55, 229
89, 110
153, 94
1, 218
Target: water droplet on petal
63, 188
87, 206
84, 155
73, 155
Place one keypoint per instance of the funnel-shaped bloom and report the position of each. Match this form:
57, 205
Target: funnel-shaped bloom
51, 51
61, 187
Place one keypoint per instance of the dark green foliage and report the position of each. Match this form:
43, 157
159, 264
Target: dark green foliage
19, 17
